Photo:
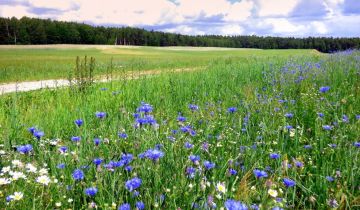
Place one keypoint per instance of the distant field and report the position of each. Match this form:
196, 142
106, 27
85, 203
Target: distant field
37, 62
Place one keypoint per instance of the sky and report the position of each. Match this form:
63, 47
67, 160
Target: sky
295, 18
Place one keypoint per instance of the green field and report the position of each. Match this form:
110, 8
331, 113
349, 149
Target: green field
265, 129
27, 63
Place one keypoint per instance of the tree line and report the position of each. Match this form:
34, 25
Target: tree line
45, 31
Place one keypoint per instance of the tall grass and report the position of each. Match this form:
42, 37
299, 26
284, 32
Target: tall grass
263, 91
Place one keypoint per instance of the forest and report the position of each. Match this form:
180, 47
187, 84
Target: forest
27, 30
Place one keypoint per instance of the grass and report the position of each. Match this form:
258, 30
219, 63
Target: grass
263, 89
27, 63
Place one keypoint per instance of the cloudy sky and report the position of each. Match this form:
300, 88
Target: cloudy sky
340, 18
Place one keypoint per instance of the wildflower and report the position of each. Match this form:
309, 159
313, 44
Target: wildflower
273, 193
38, 134
190, 171
78, 174
327, 127
307, 146
17, 175
345, 119
330, 178
63, 149
4, 181
17, 163
181, 118
32, 130
17, 196
235, 205
333, 203
97, 161
45, 180
299, 164
61, 166
324, 89
188, 145
193, 107
91, 191
79, 122
277, 208
58, 204
208, 165
5, 169
232, 172
100, 115
357, 144
43, 171
260, 174
128, 168
288, 182
97, 141
195, 159
75, 138
140, 205
274, 156
146, 108
153, 154
221, 187
124, 206
122, 135
321, 115
232, 109
25, 149
289, 115
133, 184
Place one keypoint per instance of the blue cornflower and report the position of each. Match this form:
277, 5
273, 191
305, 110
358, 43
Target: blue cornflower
133, 184
330, 178
260, 174
100, 115
78, 174
357, 144
188, 145
357, 117
63, 149
126, 158
128, 168
299, 164
345, 119
61, 166
25, 149
193, 107
194, 158
140, 205
307, 146
190, 172
288, 127
232, 109
122, 135
152, 154
181, 118
209, 165
38, 134
321, 115
91, 191
232, 171
235, 205
79, 122
97, 141
324, 89
277, 208
274, 156
97, 161
288, 182
289, 115
327, 127
146, 108
32, 130
124, 206
75, 138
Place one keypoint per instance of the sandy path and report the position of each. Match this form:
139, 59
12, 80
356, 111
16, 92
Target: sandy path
56, 83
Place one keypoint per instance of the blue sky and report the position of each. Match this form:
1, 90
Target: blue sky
299, 18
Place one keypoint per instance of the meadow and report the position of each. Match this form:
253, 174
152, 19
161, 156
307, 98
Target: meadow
255, 129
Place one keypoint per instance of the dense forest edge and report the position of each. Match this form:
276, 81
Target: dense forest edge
27, 30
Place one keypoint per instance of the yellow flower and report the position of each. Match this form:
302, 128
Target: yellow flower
273, 193
17, 196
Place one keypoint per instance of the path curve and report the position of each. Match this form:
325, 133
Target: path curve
56, 83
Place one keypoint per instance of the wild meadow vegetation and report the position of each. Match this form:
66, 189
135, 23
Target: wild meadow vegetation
263, 131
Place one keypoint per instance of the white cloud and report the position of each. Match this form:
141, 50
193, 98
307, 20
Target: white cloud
232, 29
14, 11
53, 4
276, 7
239, 11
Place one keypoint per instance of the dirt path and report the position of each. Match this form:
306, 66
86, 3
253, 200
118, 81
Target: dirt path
56, 83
